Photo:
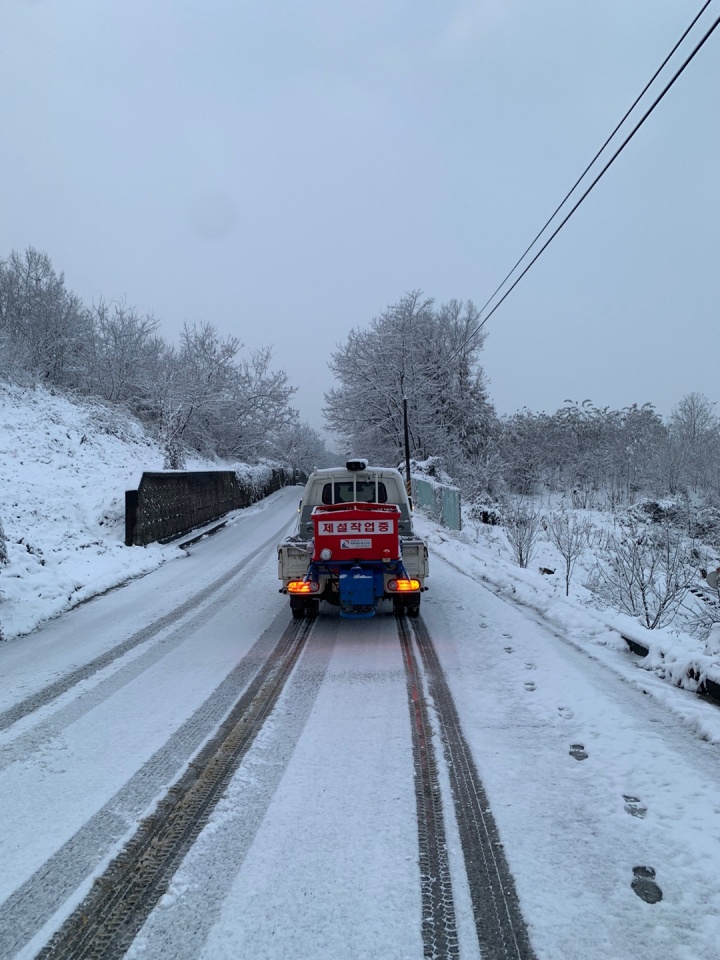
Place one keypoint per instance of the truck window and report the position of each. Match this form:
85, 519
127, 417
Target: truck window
349, 491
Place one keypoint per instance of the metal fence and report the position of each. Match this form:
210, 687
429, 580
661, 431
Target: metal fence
166, 505
439, 501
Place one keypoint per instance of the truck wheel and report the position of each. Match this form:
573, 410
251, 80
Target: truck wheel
297, 607
398, 607
312, 609
413, 611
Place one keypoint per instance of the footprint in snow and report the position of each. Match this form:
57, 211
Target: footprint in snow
508, 649
530, 666
578, 751
644, 885
633, 806
566, 713
530, 686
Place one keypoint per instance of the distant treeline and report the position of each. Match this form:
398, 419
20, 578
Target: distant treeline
601, 456
426, 358
208, 395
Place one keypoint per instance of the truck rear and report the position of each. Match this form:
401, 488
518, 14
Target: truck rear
354, 545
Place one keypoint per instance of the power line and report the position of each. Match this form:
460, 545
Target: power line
694, 52
592, 162
625, 142
612, 159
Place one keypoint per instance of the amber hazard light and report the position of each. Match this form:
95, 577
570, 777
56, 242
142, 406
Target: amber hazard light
303, 586
403, 586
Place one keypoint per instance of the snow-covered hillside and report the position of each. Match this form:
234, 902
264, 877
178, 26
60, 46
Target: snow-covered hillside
65, 466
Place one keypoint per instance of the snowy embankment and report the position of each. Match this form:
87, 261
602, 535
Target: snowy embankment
65, 467
481, 552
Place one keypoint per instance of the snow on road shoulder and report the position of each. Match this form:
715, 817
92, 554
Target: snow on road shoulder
587, 779
675, 660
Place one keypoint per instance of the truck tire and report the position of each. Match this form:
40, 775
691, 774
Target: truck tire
406, 606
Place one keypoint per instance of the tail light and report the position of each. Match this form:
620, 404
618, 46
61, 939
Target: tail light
403, 586
303, 586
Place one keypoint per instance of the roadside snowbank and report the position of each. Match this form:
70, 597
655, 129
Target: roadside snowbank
481, 552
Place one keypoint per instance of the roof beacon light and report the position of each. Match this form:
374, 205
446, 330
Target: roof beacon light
357, 463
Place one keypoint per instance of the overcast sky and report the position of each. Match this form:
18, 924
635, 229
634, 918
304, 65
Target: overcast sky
286, 169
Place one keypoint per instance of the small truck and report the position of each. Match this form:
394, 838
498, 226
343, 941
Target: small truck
354, 545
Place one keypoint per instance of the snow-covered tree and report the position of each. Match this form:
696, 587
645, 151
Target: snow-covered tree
636, 440
44, 326
219, 403
694, 430
644, 571
427, 356
128, 358
257, 409
203, 394
301, 447
522, 445
523, 524
569, 535
581, 450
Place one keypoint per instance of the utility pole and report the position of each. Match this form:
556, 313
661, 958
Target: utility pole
408, 481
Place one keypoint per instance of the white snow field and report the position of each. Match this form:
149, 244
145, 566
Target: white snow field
593, 766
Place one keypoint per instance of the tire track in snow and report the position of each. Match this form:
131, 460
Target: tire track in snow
20, 747
500, 926
439, 930
199, 889
36, 901
54, 690
104, 925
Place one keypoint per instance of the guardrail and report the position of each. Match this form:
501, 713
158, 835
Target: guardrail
440, 501
168, 504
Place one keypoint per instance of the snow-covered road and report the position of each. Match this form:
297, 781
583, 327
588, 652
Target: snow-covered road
312, 852
643, 791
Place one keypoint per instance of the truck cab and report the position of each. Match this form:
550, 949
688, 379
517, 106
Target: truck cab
357, 485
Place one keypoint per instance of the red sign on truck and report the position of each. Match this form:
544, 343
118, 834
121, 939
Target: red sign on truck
356, 531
